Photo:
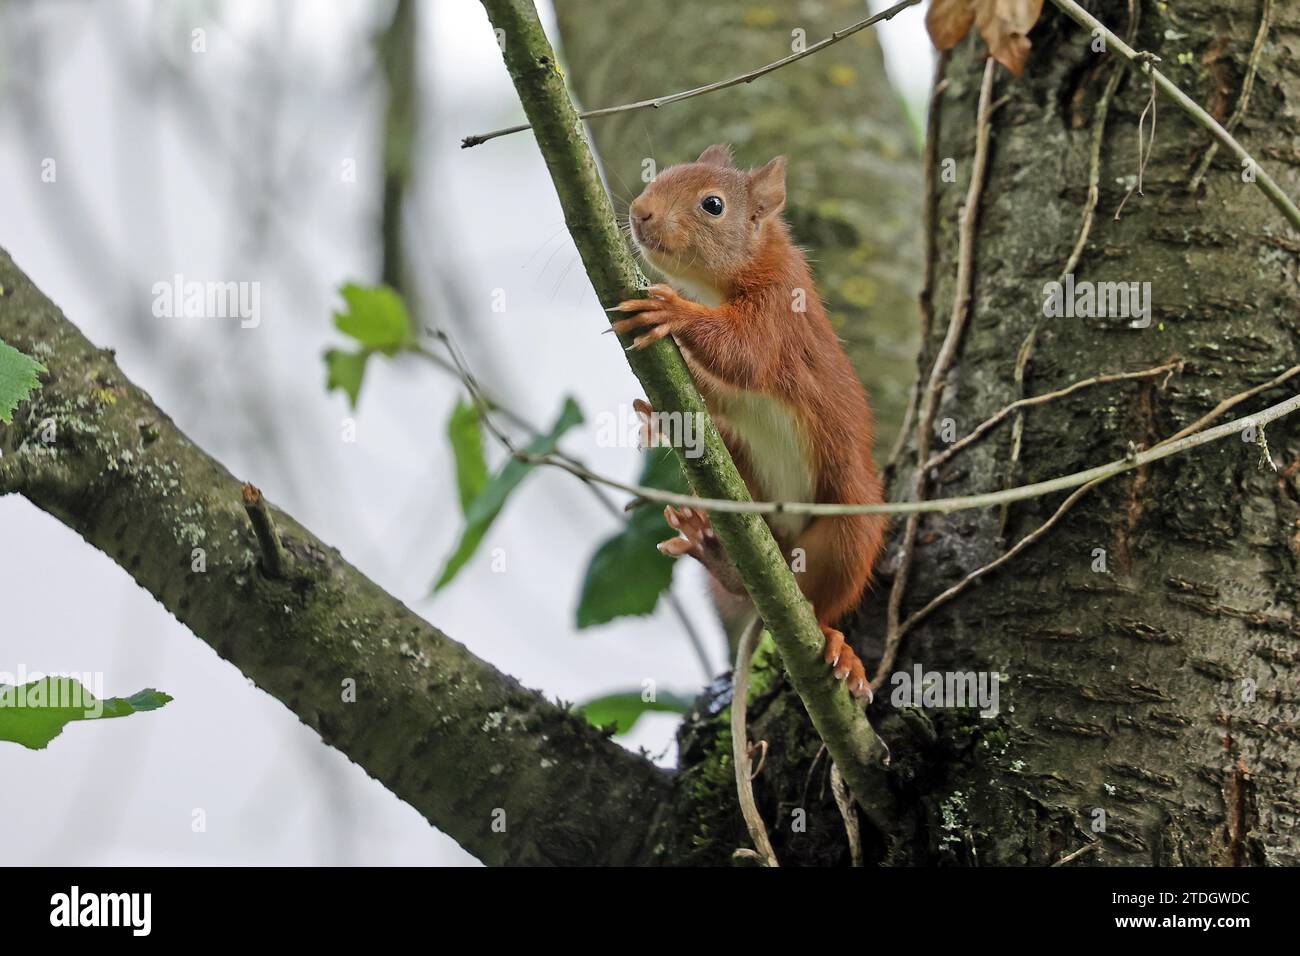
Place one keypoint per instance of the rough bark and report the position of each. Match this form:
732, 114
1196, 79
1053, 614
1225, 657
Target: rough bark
1128, 690
464, 744
854, 181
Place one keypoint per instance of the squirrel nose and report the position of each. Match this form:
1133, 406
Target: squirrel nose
640, 213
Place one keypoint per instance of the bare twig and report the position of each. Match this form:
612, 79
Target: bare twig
812, 769
926, 298
934, 505
274, 560
1100, 113
740, 743
1229, 403
749, 77
844, 801
946, 596
1086, 848
942, 363
1025, 352
1144, 154
1243, 99
1262, 179
1073, 499
984, 426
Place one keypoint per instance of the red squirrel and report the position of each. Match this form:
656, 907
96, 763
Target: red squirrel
772, 371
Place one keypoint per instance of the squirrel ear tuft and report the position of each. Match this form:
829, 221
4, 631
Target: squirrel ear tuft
767, 187
716, 155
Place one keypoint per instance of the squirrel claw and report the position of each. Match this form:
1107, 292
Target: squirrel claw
649, 338
675, 547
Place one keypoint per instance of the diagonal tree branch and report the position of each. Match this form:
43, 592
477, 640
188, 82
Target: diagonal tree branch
470, 748
849, 738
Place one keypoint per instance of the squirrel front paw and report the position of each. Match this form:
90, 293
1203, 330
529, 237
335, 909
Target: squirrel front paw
696, 536
655, 313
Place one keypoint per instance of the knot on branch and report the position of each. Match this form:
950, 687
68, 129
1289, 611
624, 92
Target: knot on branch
275, 561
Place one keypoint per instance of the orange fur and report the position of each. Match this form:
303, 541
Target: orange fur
752, 341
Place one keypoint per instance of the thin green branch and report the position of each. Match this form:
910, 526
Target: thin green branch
849, 738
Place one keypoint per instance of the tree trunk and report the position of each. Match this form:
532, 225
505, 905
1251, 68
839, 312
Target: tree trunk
1149, 643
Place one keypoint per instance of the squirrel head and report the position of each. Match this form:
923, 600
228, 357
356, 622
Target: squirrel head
703, 222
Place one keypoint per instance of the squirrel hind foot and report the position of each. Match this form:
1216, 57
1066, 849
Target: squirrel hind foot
846, 663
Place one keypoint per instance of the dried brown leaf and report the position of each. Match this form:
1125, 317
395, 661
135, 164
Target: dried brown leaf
1003, 25
948, 21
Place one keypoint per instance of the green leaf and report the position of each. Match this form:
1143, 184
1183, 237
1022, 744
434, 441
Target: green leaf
376, 317
36, 713
624, 709
466, 436
627, 574
345, 370
17, 380
484, 509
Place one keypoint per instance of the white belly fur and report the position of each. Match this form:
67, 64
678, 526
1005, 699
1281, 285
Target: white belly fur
778, 450
703, 294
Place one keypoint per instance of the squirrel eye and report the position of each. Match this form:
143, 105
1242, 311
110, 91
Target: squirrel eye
712, 205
